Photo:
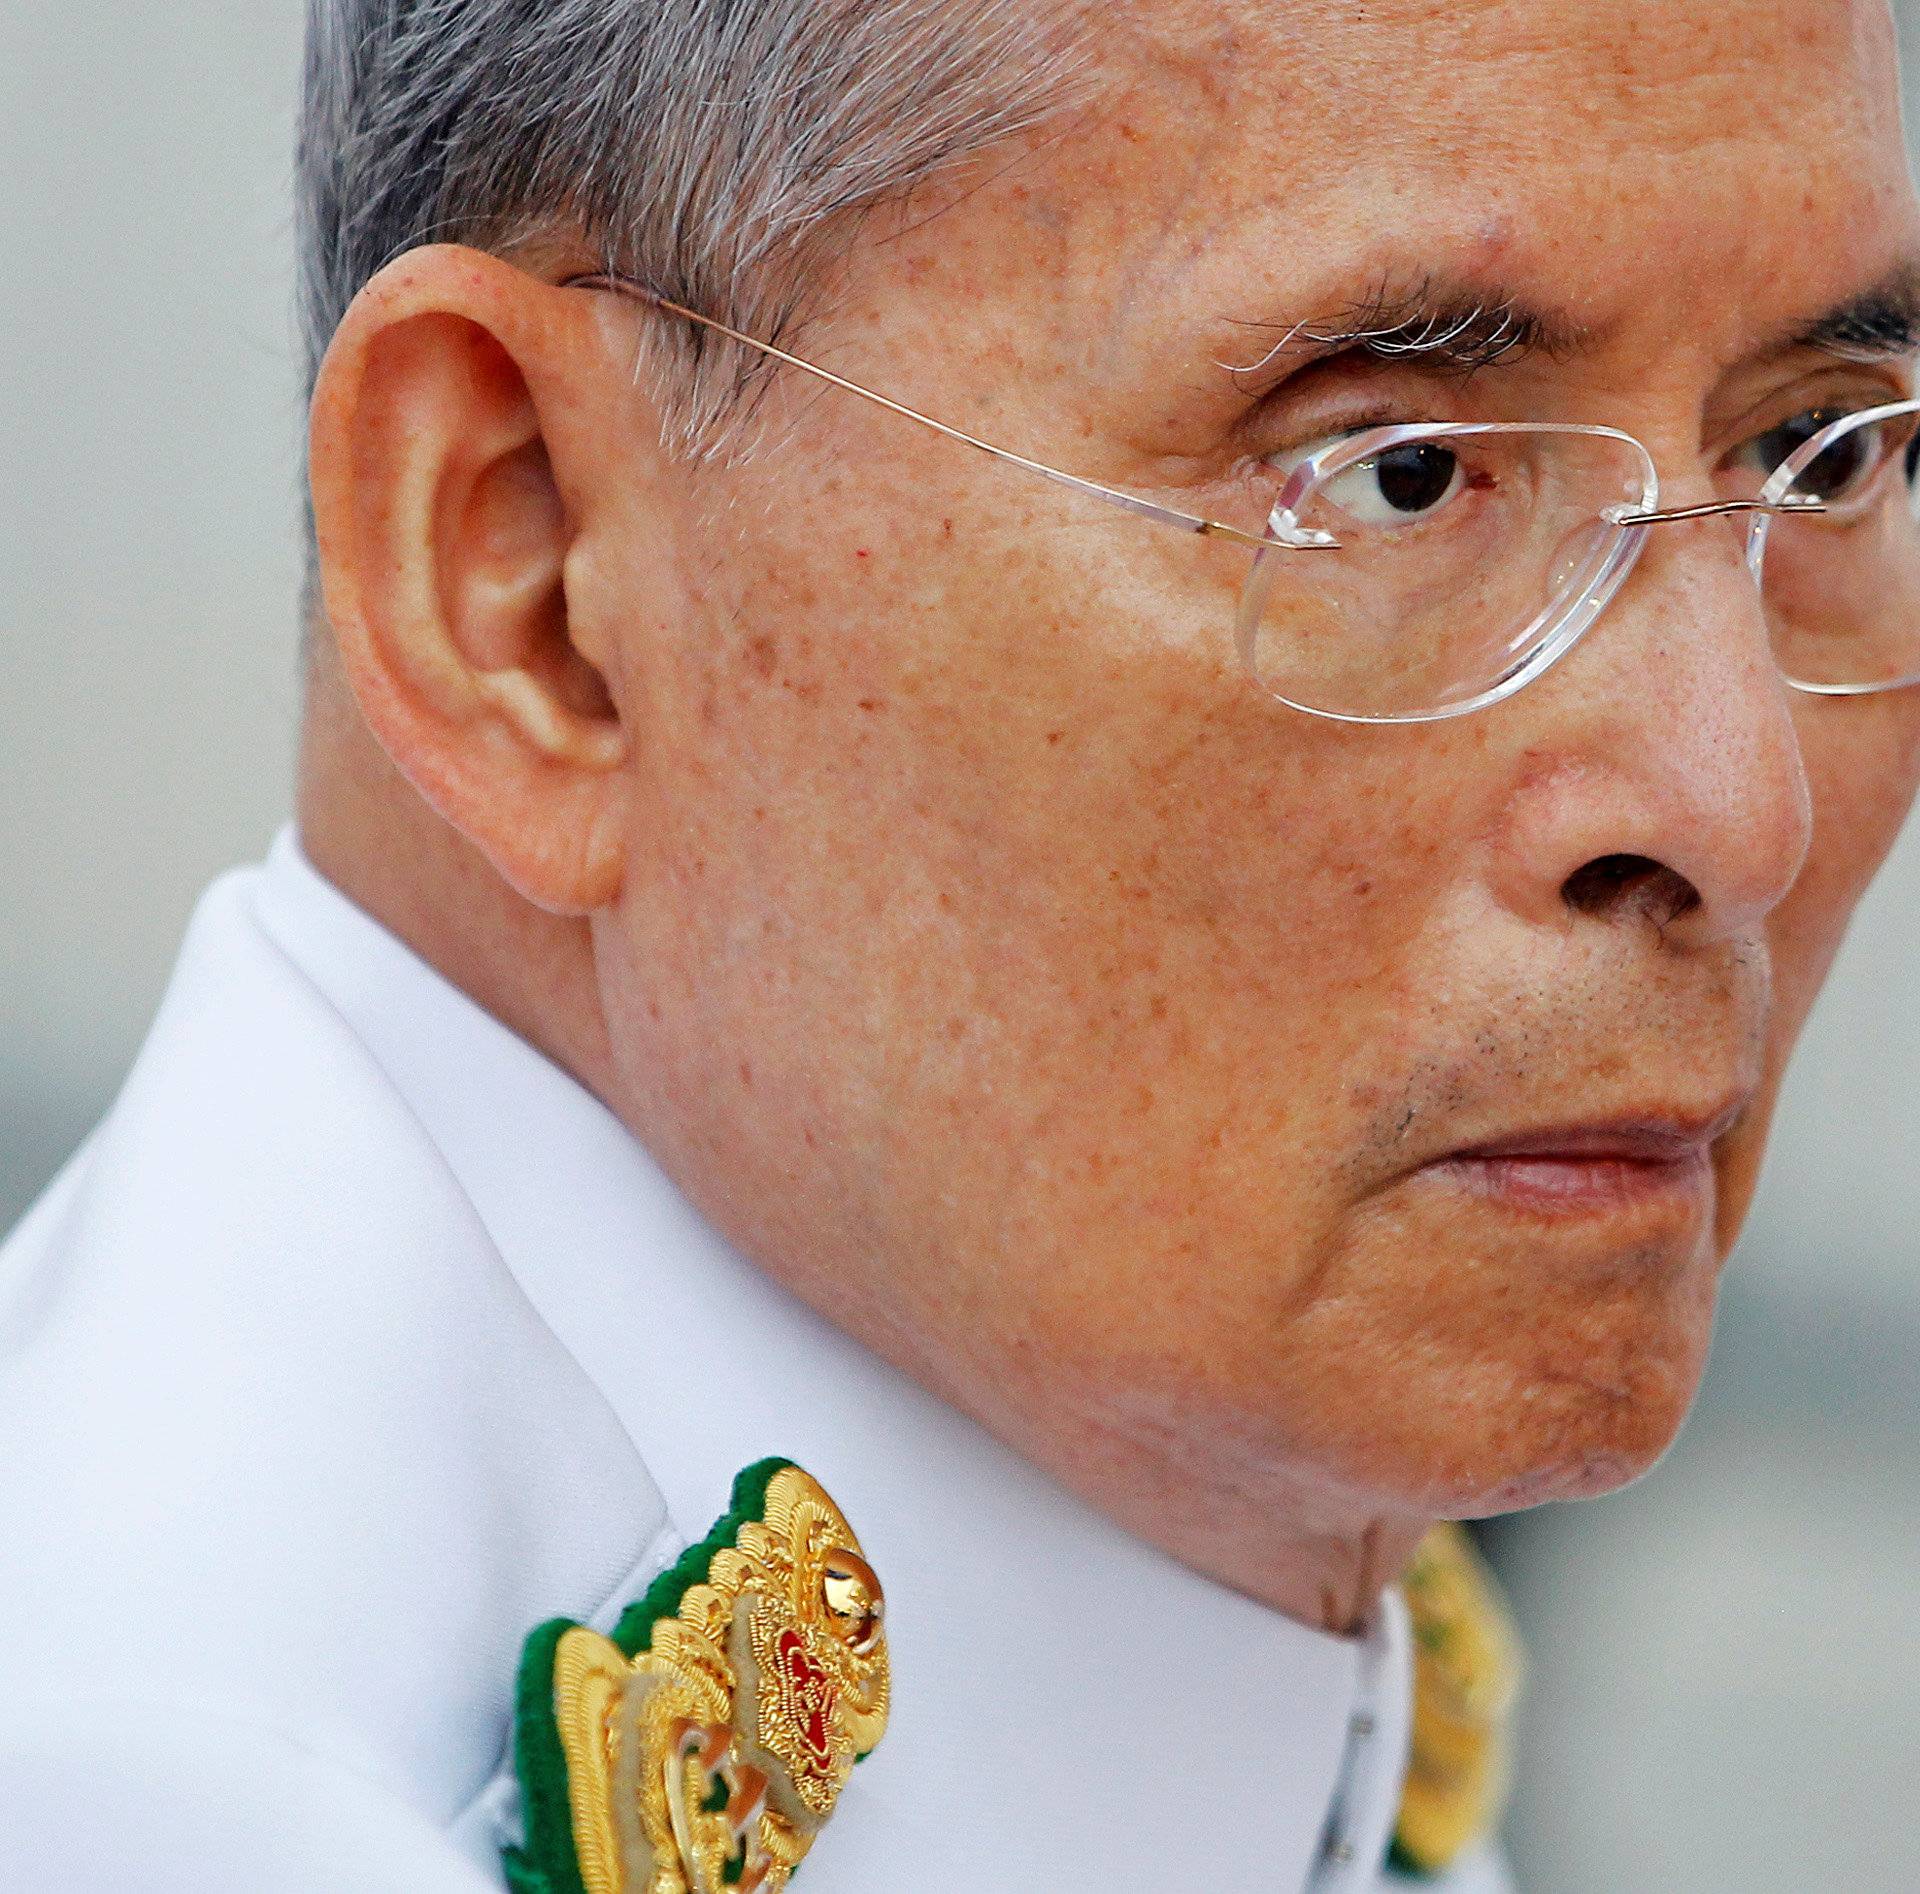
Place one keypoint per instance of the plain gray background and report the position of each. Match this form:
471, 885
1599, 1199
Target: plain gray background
1726, 1662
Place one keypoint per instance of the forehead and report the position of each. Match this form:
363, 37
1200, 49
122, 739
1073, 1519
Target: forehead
1518, 76
1580, 149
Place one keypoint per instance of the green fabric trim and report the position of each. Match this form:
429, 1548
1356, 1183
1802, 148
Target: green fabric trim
1402, 1863
522, 1876
549, 1863
662, 1598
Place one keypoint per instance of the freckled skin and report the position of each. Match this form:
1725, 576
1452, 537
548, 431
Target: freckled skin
999, 968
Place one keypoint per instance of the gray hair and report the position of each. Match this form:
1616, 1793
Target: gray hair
706, 148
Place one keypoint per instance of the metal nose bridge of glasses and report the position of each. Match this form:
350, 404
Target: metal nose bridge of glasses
1118, 496
1663, 516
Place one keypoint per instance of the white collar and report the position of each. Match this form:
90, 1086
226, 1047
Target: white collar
1106, 1717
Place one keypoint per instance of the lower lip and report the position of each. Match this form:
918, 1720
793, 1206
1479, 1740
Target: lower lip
1584, 1185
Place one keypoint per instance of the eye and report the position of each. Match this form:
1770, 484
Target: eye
1398, 486
1844, 470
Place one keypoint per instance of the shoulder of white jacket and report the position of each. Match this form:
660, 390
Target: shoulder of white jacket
286, 1433
104, 1789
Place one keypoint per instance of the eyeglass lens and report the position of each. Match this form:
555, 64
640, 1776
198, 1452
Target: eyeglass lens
1843, 588
1469, 558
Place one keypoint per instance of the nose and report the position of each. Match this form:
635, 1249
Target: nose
1664, 783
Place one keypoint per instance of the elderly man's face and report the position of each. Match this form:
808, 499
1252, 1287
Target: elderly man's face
1173, 1079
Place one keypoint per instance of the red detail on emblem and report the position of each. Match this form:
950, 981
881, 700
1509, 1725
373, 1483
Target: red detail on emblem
810, 1695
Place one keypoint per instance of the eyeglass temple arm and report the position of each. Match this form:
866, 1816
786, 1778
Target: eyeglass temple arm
1147, 509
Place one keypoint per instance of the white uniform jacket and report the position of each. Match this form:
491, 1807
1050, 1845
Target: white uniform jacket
359, 1340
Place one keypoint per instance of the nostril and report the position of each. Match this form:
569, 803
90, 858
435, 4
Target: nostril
1611, 884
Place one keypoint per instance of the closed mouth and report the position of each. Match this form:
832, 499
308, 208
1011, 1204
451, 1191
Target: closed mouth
1594, 1166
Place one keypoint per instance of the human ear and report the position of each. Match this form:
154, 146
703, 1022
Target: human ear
448, 498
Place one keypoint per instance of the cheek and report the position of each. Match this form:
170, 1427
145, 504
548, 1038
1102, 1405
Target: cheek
1054, 936
1863, 762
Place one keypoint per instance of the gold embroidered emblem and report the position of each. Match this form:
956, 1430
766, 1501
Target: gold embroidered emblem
706, 1742
1466, 1674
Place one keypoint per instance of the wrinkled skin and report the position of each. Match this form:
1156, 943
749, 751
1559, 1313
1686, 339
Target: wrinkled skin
910, 863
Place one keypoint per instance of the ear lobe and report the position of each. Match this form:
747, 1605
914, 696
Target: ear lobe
444, 541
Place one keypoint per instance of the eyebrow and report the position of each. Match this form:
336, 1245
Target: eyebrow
1880, 324
1453, 327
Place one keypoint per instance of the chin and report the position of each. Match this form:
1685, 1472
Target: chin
1572, 1434
1540, 1397
1530, 1358
1603, 1469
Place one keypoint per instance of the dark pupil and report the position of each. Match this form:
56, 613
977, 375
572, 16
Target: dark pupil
1835, 471
1415, 477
